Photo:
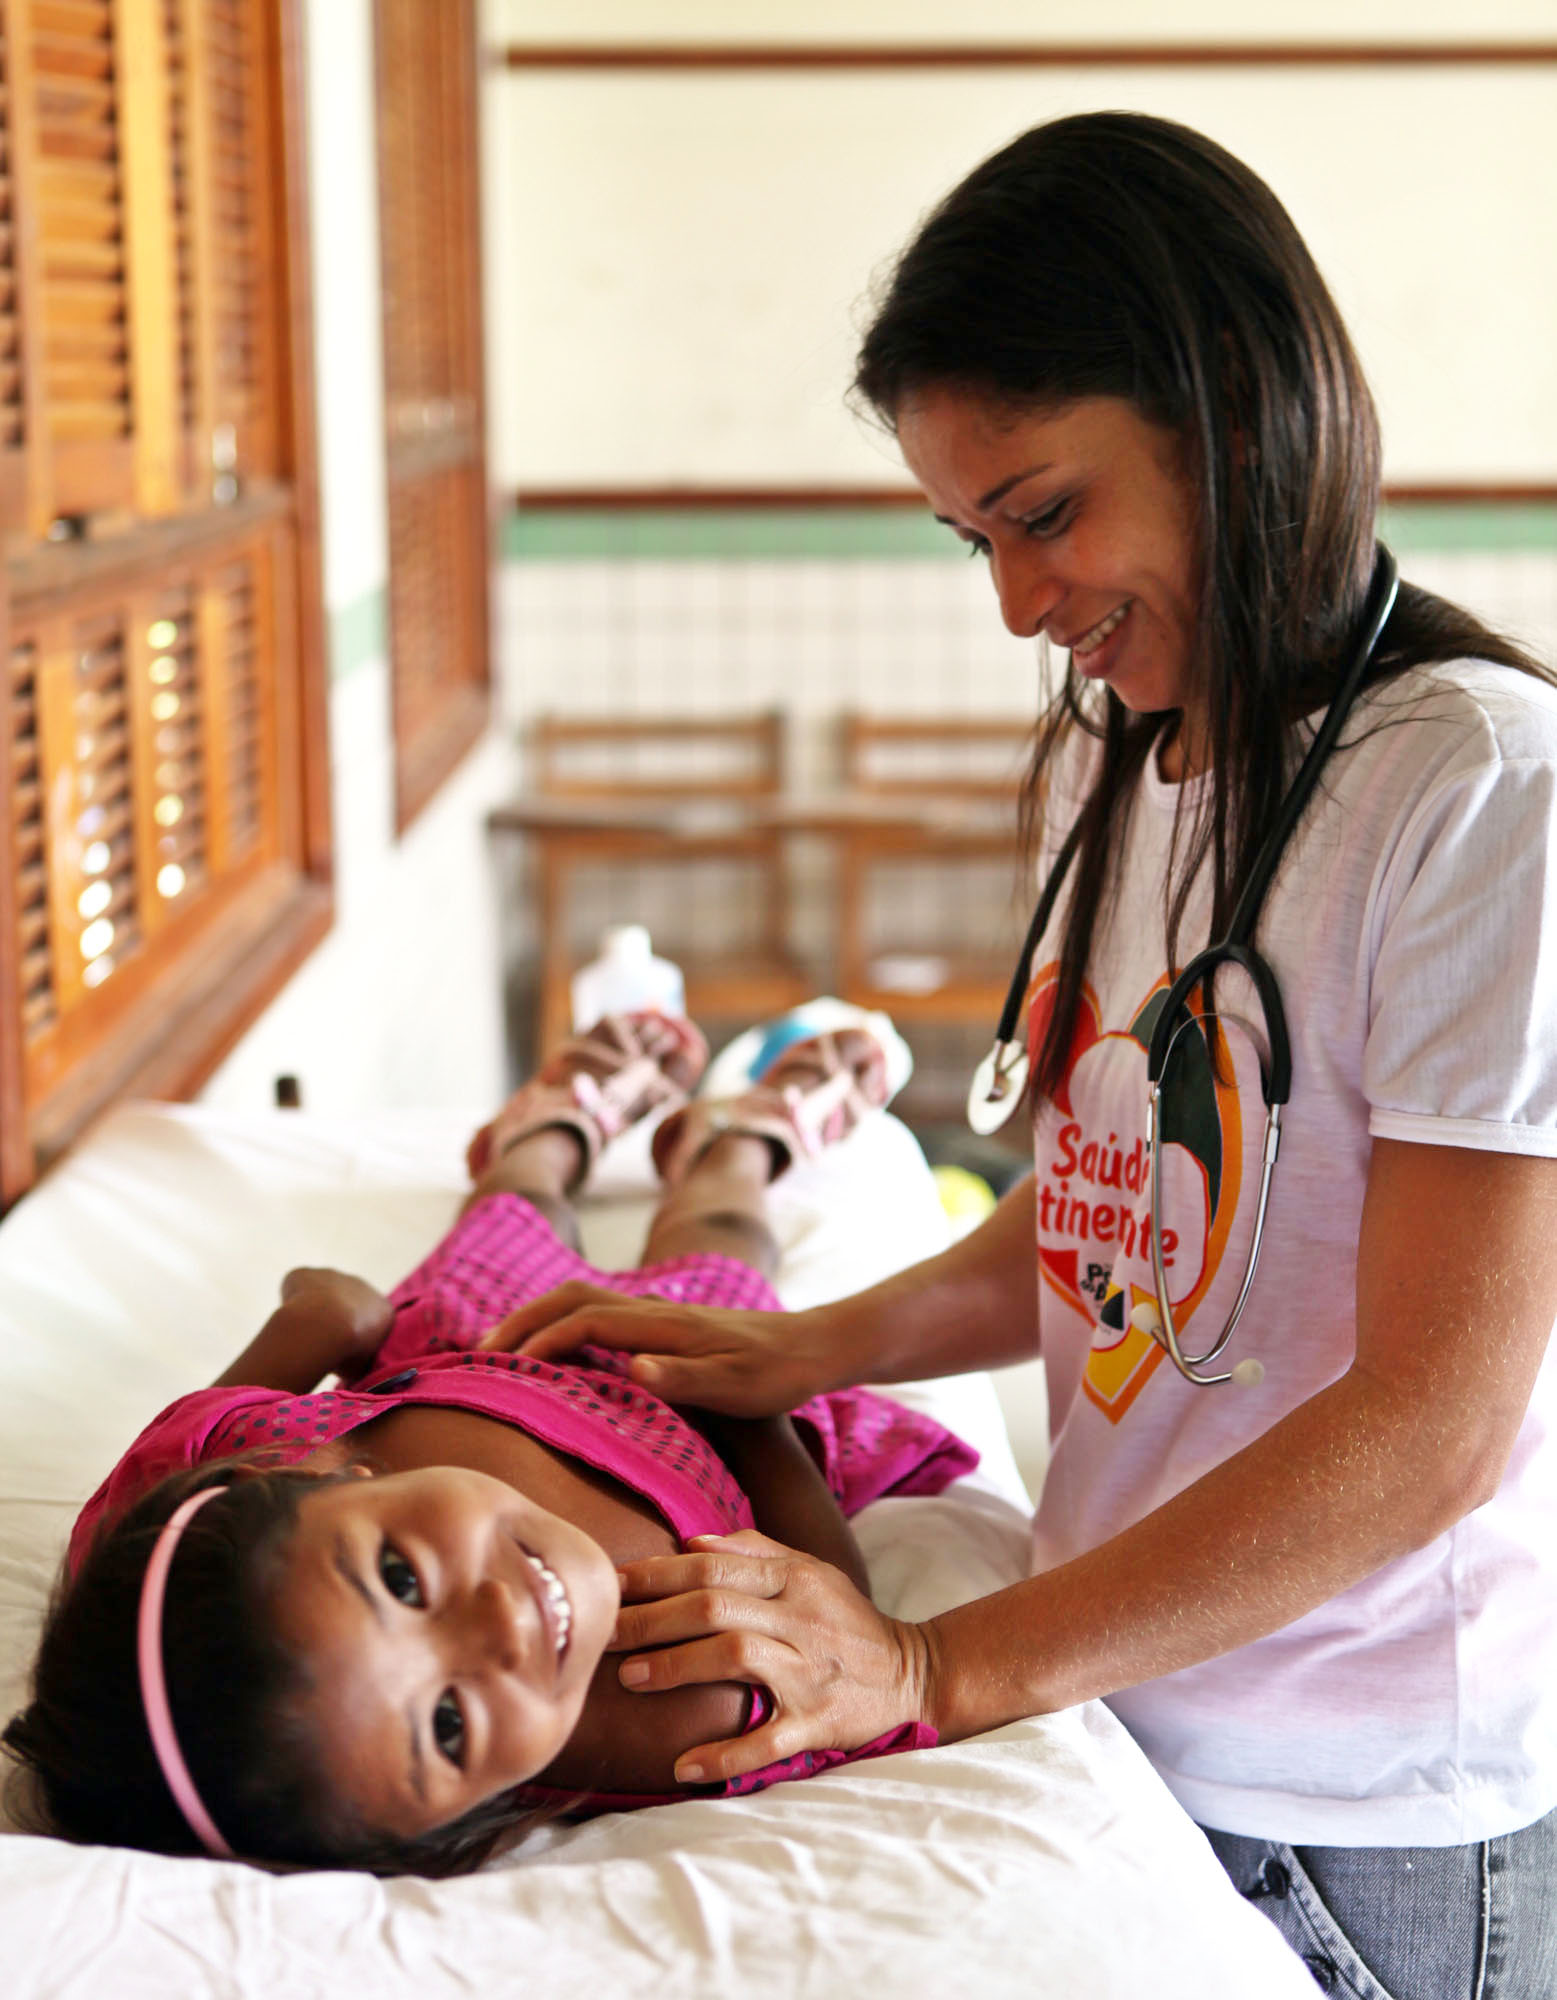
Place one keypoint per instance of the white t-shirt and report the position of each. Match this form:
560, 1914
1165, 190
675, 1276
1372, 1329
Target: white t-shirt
1413, 928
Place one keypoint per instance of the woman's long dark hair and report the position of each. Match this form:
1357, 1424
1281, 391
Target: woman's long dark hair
1119, 255
88, 1772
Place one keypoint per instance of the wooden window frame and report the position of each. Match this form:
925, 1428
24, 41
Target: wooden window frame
185, 1007
436, 724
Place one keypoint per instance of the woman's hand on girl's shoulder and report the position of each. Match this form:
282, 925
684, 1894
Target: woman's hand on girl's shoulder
744, 1608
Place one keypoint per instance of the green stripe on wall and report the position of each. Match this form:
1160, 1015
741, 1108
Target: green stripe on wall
359, 632
1498, 527
696, 534
706, 534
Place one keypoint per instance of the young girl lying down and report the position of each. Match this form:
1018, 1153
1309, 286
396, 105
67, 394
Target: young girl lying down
369, 1627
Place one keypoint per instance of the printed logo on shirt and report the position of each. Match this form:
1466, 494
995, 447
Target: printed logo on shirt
1094, 1183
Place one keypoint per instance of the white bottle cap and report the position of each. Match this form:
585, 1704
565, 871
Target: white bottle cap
625, 941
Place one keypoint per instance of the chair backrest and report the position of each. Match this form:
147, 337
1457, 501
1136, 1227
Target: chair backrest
658, 757
936, 757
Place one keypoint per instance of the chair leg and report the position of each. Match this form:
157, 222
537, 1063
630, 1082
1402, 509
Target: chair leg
555, 1010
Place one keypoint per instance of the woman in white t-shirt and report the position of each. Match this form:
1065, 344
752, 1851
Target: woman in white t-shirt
1324, 1602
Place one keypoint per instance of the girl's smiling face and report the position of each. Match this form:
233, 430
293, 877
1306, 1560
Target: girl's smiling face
1088, 516
448, 1629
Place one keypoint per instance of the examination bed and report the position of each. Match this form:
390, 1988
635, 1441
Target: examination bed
1042, 1858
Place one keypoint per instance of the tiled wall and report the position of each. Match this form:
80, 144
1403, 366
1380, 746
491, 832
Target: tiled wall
654, 636
809, 636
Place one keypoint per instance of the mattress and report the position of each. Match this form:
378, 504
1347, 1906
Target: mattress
1043, 1857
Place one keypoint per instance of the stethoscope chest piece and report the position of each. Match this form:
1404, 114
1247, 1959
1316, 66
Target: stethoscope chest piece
999, 1086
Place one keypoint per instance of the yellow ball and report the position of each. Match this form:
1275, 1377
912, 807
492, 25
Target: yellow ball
966, 1197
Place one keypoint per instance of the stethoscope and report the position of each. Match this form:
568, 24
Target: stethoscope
1000, 1081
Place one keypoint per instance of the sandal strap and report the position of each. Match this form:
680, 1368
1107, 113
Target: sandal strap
567, 1093
794, 1118
625, 1096
614, 1036
687, 1134
814, 1113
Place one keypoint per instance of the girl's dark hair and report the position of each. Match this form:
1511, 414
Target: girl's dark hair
88, 1769
1119, 255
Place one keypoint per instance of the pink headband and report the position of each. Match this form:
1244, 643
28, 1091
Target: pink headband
154, 1689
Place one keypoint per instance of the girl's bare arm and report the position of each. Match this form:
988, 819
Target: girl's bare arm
790, 1499
327, 1323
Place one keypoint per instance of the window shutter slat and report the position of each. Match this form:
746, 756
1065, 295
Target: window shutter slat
193, 465
84, 736
150, 251
170, 764
231, 240
28, 848
427, 613
234, 678
79, 282
432, 368
13, 408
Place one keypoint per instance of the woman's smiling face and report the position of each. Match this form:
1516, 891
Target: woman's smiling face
448, 1629
1088, 515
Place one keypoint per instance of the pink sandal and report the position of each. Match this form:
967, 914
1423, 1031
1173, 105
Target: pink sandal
596, 1085
814, 1095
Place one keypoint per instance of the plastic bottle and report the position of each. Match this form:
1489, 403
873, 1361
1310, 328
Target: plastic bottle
626, 978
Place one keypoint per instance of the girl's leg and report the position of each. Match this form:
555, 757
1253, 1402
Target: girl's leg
543, 1142
718, 1157
543, 1167
721, 1207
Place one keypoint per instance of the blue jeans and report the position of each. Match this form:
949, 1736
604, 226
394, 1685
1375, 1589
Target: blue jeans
1411, 1923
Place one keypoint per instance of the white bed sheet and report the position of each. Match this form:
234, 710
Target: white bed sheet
1044, 1857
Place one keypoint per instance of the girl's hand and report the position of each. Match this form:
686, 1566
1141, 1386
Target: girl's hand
347, 1313
743, 1608
746, 1364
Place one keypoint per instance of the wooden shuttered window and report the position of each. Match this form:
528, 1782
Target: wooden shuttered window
428, 226
140, 134
221, 135
163, 859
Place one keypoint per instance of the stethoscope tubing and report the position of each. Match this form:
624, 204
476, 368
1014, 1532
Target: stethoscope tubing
1000, 1082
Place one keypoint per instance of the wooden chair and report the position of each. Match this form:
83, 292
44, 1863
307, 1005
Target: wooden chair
965, 776
663, 800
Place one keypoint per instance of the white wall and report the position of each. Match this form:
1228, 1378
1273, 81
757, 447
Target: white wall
959, 21
680, 259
